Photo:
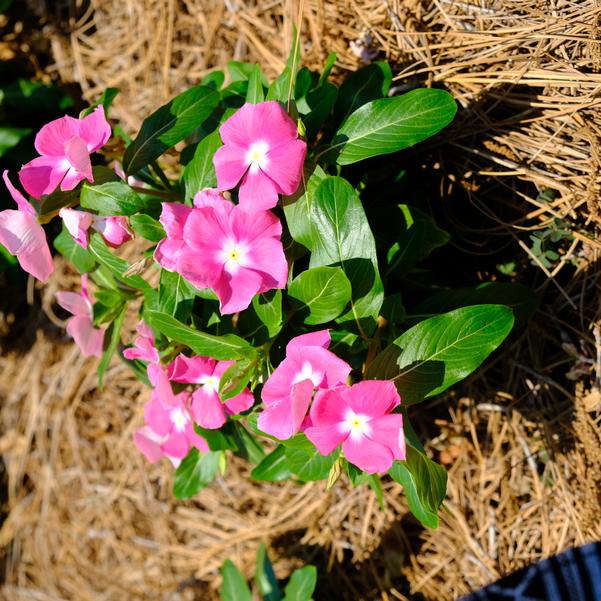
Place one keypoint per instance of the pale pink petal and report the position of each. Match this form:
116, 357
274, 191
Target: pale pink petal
190, 370
198, 267
157, 417
74, 303
325, 438
95, 129
209, 197
372, 397
253, 225
368, 455
22, 203
77, 223
239, 403
285, 165
167, 253
328, 369
207, 410
88, 338
221, 367
329, 408
173, 218
235, 291
42, 175
162, 387
177, 445
76, 153
207, 229
230, 166
388, 430
114, 230
24, 237
258, 192
267, 257
53, 136
279, 384
195, 440
319, 338
149, 444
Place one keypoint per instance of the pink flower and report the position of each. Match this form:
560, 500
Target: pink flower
114, 230
207, 409
143, 348
260, 146
235, 253
169, 430
24, 237
65, 146
287, 393
360, 418
80, 327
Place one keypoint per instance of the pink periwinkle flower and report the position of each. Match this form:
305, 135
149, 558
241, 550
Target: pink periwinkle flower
287, 394
169, 430
81, 327
114, 230
65, 146
143, 348
24, 237
261, 148
207, 408
235, 253
359, 417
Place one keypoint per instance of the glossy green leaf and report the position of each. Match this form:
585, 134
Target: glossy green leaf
106, 99
114, 198
268, 307
418, 237
255, 92
199, 173
236, 377
438, 352
424, 483
176, 295
73, 252
273, 467
341, 237
249, 448
233, 586
305, 461
320, 103
324, 291
147, 227
282, 87
391, 124
327, 68
265, 578
11, 136
168, 125
195, 472
301, 584
112, 338
219, 347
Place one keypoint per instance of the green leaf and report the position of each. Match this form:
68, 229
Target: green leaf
249, 448
391, 124
219, 347
424, 483
113, 336
118, 266
265, 578
341, 237
301, 585
305, 461
114, 198
355, 475
440, 351
222, 439
168, 125
376, 486
417, 239
298, 213
361, 86
176, 295
255, 92
235, 378
233, 587
239, 71
273, 467
325, 292
282, 88
146, 227
199, 173
75, 254
268, 307
11, 136
195, 472
327, 67
106, 99
320, 103
521, 299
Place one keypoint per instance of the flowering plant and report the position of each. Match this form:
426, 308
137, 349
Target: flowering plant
270, 317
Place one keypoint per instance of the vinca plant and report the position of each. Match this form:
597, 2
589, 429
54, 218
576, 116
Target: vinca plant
270, 307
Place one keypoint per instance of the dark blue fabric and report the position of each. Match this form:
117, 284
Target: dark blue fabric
574, 575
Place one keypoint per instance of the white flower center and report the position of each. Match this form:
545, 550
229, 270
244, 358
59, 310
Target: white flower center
307, 373
211, 383
356, 424
234, 255
256, 156
179, 419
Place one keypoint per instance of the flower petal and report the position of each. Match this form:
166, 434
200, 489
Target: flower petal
230, 166
114, 230
372, 397
77, 223
190, 370
239, 403
325, 438
388, 430
235, 291
368, 455
285, 165
88, 338
95, 129
22, 203
329, 408
42, 175
207, 409
74, 303
53, 136
319, 338
258, 192
149, 444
